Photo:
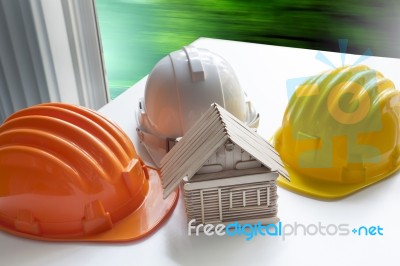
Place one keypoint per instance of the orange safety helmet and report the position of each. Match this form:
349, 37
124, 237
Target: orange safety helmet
69, 174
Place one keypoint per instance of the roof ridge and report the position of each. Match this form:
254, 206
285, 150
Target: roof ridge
220, 113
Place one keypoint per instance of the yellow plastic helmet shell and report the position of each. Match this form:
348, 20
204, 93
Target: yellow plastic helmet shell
340, 132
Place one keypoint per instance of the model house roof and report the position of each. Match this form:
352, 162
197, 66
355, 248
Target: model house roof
212, 130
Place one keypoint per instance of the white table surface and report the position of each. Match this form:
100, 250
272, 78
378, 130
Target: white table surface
262, 71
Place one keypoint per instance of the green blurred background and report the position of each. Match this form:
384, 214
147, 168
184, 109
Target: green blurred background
137, 33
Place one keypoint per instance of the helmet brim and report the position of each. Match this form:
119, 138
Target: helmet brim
142, 222
319, 189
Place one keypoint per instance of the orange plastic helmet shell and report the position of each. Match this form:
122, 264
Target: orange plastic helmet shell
340, 133
69, 174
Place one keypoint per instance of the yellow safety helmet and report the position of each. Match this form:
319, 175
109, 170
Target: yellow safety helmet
340, 132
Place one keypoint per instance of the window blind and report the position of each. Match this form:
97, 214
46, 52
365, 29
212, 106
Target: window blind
50, 51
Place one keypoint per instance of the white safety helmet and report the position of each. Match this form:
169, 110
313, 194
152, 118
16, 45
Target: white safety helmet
180, 88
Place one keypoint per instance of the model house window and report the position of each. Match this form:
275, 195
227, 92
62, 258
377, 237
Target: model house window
249, 197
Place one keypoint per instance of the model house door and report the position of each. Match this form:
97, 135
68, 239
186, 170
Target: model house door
211, 209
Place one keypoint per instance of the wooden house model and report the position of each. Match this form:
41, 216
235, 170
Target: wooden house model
229, 172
